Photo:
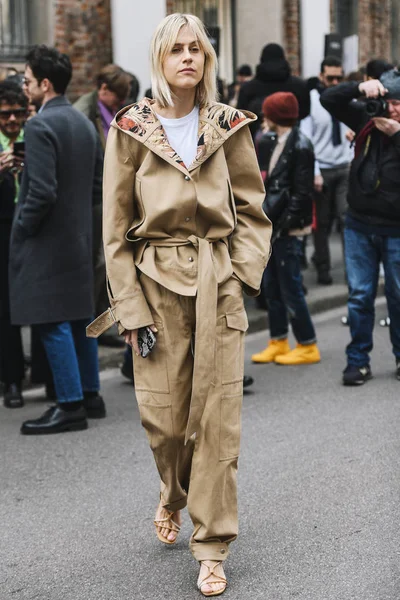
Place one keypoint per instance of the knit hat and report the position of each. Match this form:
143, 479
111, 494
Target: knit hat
282, 108
391, 81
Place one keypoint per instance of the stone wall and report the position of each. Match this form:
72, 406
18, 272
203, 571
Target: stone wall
82, 29
374, 29
292, 35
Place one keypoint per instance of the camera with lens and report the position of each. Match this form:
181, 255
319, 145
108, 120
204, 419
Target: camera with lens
376, 107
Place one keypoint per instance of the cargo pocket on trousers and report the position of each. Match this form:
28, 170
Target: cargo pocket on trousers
233, 347
230, 425
151, 373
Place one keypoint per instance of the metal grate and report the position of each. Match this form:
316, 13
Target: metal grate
14, 29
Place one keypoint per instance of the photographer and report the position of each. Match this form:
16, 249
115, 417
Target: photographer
13, 114
372, 228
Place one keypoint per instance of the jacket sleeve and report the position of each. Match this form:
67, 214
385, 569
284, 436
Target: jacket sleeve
340, 101
126, 295
41, 165
299, 211
250, 241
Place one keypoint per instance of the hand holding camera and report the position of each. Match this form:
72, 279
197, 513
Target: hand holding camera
374, 92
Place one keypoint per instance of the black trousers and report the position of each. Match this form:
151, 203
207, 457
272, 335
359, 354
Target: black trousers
12, 368
330, 205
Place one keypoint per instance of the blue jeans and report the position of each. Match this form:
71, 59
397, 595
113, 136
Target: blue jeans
363, 253
283, 290
73, 358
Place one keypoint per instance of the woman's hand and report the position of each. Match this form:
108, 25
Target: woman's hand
131, 338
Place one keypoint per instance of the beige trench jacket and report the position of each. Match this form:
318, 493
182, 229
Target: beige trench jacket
187, 227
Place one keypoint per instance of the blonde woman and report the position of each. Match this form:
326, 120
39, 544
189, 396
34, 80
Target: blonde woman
184, 232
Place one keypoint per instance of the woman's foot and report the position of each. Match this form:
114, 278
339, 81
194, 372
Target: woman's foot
212, 580
167, 524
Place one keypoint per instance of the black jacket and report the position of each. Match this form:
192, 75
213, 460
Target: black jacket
374, 184
273, 76
7, 198
288, 199
51, 272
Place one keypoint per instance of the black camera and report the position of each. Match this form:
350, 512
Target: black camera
376, 107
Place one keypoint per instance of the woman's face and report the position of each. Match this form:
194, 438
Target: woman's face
184, 64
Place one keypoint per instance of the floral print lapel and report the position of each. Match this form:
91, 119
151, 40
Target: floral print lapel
217, 122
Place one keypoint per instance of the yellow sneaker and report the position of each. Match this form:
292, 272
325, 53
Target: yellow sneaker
301, 355
274, 349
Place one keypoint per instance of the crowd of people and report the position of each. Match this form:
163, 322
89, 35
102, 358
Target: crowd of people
85, 232
308, 152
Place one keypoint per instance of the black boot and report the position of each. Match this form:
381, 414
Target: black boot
94, 405
247, 380
12, 395
324, 278
56, 420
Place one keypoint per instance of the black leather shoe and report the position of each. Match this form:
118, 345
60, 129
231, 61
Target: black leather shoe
324, 278
56, 420
94, 406
247, 380
13, 396
112, 341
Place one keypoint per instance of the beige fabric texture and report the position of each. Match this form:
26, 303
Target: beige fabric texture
180, 244
163, 383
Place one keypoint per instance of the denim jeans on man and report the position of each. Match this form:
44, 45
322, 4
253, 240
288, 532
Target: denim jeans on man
73, 359
364, 252
282, 286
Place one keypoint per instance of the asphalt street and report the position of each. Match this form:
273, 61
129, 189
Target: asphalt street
318, 491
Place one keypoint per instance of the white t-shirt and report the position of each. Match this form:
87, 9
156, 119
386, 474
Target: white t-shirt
182, 135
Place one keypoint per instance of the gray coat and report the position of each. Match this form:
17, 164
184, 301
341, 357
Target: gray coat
51, 273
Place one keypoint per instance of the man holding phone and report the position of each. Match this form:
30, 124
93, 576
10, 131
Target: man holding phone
13, 114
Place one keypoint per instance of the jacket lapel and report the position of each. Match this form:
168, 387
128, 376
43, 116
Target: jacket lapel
217, 122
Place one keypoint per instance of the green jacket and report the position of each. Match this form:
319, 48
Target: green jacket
87, 104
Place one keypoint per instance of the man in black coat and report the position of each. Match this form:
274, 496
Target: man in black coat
273, 74
51, 275
372, 226
13, 114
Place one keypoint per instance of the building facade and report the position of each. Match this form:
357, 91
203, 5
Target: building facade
96, 32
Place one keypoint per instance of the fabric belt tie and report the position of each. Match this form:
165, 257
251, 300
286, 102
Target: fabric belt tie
206, 316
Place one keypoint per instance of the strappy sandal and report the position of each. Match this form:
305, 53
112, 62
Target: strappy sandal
166, 523
217, 579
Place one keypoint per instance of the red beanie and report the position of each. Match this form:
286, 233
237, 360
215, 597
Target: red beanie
282, 108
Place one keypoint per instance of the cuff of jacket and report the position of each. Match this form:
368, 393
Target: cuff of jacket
132, 313
249, 267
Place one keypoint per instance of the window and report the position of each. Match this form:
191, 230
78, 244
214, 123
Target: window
14, 29
206, 10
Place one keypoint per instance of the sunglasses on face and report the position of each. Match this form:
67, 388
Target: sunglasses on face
332, 78
17, 112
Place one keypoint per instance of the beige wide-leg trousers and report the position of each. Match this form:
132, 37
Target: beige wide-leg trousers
202, 474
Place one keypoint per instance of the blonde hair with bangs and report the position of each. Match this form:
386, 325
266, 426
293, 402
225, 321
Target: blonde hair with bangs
162, 43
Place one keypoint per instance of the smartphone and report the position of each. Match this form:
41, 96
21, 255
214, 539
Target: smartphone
19, 149
146, 341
